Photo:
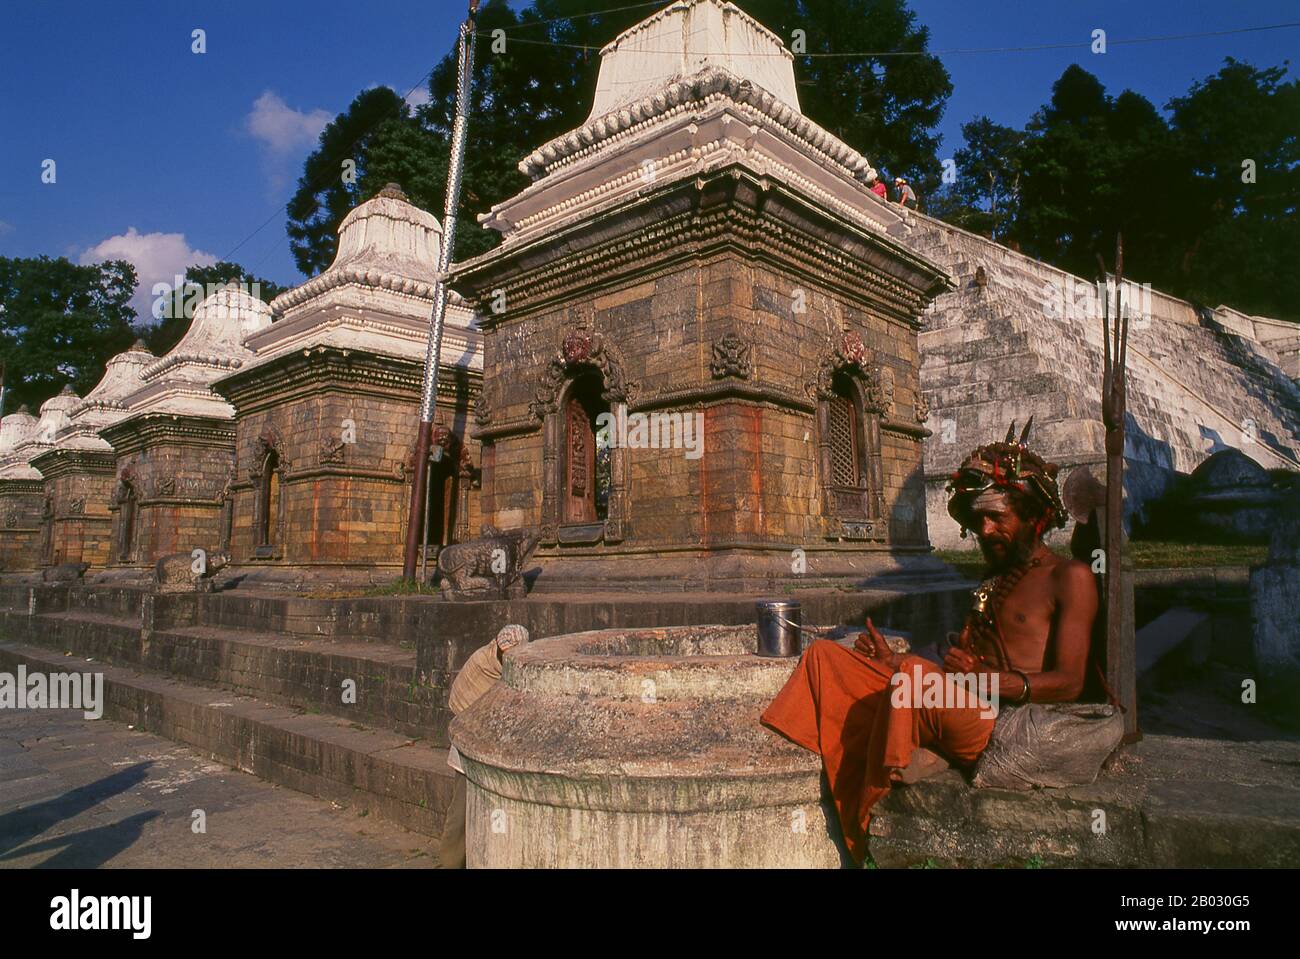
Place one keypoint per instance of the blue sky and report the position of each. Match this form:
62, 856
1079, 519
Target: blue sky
167, 157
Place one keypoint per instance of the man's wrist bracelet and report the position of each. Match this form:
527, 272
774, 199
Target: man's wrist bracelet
1024, 694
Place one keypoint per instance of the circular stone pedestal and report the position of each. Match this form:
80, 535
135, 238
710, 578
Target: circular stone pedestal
639, 748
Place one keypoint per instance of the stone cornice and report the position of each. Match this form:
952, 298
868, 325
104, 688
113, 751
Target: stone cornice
354, 326
335, 278
910, 430
21, 487
61, 461
211, 361
679, 97
155, 429
309, 372
728, 208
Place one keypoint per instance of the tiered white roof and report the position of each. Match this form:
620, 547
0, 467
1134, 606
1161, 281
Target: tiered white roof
54, 417
180, 382
377, 295
15, 430
107, 402
697, 86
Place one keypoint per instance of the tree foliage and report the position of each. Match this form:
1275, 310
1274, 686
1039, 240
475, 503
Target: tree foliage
1178, 186
60, 322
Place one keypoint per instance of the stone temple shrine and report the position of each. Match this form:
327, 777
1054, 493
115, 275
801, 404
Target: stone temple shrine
700, 363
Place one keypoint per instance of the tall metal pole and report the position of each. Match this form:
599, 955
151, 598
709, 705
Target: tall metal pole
1120, 652
429, 393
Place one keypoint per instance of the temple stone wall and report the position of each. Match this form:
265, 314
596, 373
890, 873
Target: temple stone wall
81, 526
343, 502
742, 343
178, 484
20, 537
1019, 340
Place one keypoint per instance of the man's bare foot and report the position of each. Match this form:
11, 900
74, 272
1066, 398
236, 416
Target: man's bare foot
924, 764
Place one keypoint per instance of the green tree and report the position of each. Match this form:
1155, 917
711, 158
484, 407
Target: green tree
336, 175
1093, 166
175, 311
60, 322
1236, 131
985, 197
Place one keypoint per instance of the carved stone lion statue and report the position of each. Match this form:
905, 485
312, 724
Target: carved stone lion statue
184, 573
64, 573
490, 564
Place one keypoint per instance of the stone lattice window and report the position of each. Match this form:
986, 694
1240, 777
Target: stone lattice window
844, 429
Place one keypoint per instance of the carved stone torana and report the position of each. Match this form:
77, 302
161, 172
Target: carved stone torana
849, 354
582, 348
268, 442
490, 564
730, 358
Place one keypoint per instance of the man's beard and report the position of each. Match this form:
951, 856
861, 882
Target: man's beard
1001, 555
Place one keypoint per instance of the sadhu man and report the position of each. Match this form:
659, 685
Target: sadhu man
1028, 638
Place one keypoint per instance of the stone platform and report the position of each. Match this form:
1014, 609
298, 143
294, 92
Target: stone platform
256, 679
1168, 802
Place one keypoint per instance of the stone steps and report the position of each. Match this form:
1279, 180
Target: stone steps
293, 671
396, 777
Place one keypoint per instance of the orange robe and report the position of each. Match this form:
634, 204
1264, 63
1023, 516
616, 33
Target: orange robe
837, 704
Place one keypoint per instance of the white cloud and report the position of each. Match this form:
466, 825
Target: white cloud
282, 129
157, 258
5, 227
418, 97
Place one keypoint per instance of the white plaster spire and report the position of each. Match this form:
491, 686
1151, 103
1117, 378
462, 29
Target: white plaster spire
681, 40
54, 417
180, 382
107, 402
377, 295
15, 429
698, 86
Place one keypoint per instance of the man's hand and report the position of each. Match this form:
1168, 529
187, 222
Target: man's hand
873, 645
959, 660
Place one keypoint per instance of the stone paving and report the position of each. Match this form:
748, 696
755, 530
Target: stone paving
76, 793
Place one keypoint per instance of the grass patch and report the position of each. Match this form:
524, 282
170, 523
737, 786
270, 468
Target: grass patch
1146, 554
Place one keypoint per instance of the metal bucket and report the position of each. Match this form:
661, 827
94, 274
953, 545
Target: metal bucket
779, 623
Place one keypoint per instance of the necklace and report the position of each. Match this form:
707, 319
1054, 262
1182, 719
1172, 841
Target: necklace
988, 599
